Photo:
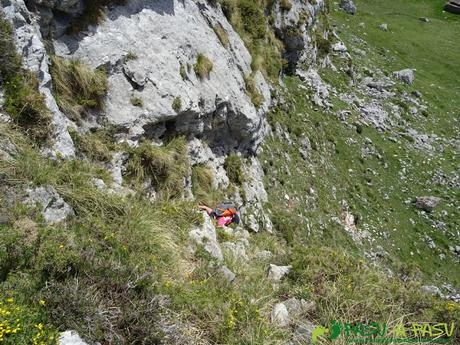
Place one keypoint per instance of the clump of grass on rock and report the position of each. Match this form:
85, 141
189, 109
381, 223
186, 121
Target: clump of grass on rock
77, 87
203, 66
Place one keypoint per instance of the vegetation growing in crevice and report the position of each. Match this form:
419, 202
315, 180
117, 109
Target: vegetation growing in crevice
252, 91
166, 166
250, 22
203, 186
23, 100
234, 167
96, 146
137, 102
203, 66
77, 87
93, 14
177, 104
222, 35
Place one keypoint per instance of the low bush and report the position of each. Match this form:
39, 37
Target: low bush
177, 104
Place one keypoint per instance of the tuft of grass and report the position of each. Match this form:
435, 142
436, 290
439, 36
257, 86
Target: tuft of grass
203, 66
234, 167
23, 101
203, 186
222, 35
77, 87
252, 91
166, 166
177, 104
137, 102
97, 146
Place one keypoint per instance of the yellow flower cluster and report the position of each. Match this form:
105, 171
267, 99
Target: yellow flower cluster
8, 326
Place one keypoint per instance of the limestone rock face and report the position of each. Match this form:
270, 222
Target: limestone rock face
294, 27
150, 50
29, 44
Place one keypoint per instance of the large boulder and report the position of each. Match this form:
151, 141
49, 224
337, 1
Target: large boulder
150, 50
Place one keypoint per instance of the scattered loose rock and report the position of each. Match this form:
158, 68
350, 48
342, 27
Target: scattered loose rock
275, 273
280, 315
427, 203
406, 76
54, 208
70, 338
348, 6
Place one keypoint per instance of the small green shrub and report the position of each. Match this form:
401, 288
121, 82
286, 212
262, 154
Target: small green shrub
222, 35
234, 167
137, 102
77, 87
177, 104
203, 66
252, 91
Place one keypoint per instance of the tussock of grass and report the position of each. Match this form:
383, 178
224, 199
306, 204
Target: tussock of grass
97, 146
167, 166
222, 35
203, 66
77, 87
23, 101
234, 167
203, 186
252, 91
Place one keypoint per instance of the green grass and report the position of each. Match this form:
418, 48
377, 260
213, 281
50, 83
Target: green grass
222, 35
251, 89
77, 88
203, 66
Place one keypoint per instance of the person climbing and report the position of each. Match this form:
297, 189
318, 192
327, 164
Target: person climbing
225, 213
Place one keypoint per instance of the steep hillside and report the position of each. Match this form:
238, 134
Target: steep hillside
335, 127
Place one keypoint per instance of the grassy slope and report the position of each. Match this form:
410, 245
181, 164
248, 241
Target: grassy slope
334, 164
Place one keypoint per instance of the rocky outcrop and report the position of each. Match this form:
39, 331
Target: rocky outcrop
207, 237
150, 50
406, 76
30, 45
54, 209
294, 27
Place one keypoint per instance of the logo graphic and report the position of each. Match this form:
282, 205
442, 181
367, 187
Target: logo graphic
380, 332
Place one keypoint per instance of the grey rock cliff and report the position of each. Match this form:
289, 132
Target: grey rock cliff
163, 39
30, 45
